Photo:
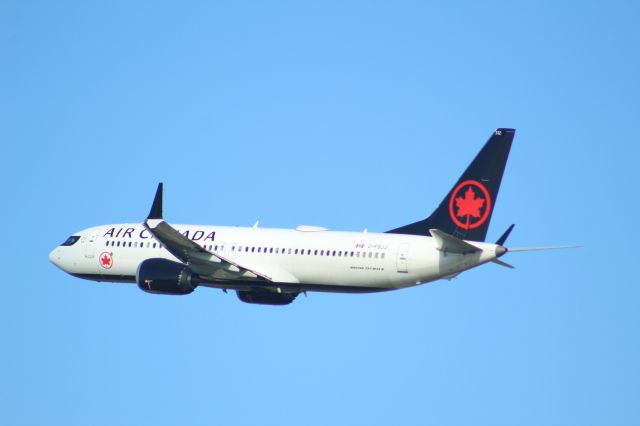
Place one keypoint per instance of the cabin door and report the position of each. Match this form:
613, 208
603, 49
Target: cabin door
90, 247
403, 257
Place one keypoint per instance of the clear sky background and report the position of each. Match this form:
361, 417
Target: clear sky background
350, 115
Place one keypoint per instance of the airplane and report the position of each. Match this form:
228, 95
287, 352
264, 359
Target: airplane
273, 266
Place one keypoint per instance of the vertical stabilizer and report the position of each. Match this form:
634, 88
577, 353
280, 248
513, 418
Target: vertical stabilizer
466, 211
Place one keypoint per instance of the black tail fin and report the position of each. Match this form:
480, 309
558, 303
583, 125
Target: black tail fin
466, 210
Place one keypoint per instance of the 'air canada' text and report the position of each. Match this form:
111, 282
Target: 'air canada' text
192, 234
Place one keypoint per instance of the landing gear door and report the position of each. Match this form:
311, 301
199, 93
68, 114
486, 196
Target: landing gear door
403, 257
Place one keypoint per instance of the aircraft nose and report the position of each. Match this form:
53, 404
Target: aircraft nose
54, 257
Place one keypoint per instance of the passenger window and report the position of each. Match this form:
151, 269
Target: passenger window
376, 255
315, 253
296, 252
370, 255
334, 253
289, 251
246, 249
271, 250
340, 254
154, 245
259, 248
351, 254
358, 254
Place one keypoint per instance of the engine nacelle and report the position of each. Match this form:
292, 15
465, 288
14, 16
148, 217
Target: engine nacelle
266, 297
162, 276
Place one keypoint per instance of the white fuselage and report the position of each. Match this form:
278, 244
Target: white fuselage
307, 258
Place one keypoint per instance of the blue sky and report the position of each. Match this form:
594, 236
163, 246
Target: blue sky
349, 115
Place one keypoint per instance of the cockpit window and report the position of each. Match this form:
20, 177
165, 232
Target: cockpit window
71, 240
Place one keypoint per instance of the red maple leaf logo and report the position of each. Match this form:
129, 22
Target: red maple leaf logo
469, 205
475, 209
105, 260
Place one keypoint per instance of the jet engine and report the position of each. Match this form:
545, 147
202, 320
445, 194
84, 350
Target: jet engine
266, 297
162, 276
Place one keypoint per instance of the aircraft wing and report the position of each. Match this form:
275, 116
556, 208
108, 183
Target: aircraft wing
199, 260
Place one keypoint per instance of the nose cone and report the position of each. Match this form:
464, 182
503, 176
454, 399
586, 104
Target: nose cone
54, 257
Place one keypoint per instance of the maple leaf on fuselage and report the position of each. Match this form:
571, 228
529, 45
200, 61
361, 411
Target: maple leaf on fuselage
469, 205
105, 260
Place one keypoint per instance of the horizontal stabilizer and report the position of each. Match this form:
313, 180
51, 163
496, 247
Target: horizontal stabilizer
451, 244
501, 263
504, 236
